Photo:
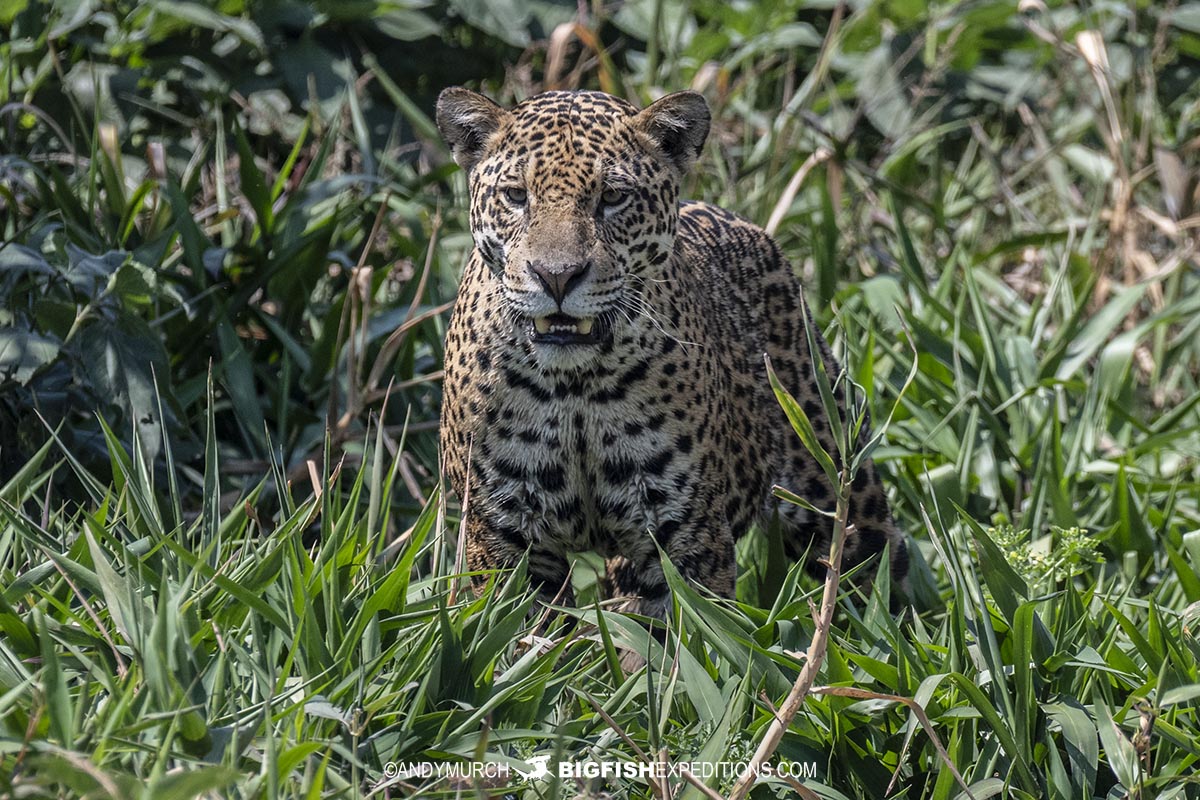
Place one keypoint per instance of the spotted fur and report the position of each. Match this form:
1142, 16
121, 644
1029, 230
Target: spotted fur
662, 431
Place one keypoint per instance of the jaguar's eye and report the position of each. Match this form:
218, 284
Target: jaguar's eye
612, 197
516, 195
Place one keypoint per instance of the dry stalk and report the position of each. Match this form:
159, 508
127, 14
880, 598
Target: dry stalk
356, 306
460, 550
815, 656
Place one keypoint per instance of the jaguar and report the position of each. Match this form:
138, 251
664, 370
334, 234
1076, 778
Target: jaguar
606, 384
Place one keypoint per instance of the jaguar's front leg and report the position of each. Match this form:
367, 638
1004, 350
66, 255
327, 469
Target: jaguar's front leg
702, 553
493, 547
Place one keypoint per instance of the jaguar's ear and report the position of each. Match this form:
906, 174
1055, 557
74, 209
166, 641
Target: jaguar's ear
467, 120
676, 126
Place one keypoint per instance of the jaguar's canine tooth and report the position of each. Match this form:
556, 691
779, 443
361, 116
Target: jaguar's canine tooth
541, 324
584, 326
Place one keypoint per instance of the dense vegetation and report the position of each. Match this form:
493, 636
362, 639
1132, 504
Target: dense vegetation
229, 238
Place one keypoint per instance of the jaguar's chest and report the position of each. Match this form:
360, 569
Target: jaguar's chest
578, 473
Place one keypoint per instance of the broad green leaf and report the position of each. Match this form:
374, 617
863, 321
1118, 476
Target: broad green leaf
23, 353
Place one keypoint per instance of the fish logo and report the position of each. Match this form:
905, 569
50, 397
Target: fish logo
538, 768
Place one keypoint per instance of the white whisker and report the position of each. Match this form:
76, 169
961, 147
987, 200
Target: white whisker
636, 303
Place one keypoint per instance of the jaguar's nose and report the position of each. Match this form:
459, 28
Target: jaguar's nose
559, 279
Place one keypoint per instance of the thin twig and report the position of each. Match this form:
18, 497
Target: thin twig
379, 394
922, 717
699, 784
397, 337
122, 668
612, 724
789, 193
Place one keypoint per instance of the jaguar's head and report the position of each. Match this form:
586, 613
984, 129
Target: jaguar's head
574, 205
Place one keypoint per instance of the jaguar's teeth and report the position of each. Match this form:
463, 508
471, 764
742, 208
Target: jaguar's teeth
552, 324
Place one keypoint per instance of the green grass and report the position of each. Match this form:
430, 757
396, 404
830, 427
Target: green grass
227, 567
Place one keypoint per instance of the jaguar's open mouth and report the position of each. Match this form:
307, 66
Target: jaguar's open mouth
560, 329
